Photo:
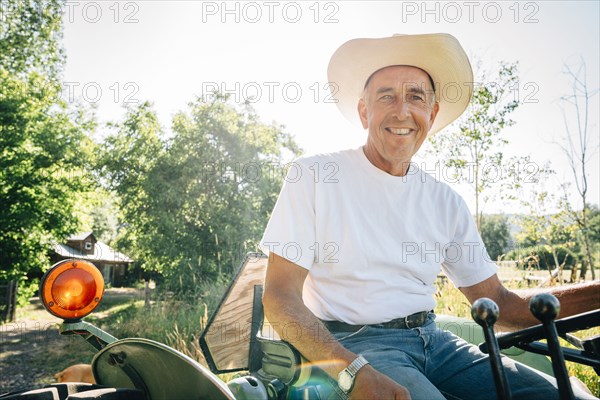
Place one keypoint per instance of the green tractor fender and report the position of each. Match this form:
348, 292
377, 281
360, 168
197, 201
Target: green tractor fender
469, 331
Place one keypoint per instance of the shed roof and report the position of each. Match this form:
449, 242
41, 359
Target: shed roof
102, 252
80, 236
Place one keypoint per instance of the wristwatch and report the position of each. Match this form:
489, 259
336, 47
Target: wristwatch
346, 377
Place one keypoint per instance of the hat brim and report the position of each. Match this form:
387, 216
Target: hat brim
440, 55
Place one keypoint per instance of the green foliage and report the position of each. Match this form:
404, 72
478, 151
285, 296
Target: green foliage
585, 229
495, 232
128, 155
30, 38
194, 205
27, 289
104, 222
593, 224
473, 148
546, 240
541, 226
541, 257
44, 151
41, 171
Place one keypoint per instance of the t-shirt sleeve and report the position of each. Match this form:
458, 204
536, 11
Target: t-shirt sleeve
290, 232
466, 261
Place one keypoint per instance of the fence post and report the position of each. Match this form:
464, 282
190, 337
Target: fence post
3, 306
13, 300
9, 301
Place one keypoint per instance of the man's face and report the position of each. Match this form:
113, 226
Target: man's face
398, 108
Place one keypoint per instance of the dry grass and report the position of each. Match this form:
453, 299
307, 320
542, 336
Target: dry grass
188, 342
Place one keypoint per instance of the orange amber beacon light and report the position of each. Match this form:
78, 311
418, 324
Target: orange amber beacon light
71, 289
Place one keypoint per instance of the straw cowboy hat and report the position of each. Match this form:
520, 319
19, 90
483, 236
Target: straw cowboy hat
439, 54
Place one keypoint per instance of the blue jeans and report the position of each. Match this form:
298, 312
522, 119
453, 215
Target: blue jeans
436, 364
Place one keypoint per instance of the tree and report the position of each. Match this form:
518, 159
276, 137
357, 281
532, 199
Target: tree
41, 173
43, 147
579, 145
551, 233
474, 152
30, 38
495, 232
128, 156
594, 223
203, 199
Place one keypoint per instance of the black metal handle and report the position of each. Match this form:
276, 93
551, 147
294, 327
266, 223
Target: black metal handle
578, 322
546, 308
485, 312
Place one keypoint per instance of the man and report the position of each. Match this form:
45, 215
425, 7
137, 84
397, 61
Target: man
358, 237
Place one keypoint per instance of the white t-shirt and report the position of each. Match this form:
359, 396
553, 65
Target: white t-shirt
373, 243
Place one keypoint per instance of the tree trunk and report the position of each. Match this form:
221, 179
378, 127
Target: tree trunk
586, 243
9, 301
477, 216
588, 256
147, 294
558, 266
574, 273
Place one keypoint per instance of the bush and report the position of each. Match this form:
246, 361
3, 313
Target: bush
27, 289
540, 257
495, 233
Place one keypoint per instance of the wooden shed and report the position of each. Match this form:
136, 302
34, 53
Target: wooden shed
113, 264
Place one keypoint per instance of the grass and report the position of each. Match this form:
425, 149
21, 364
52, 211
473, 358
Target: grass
179, 324
174, 323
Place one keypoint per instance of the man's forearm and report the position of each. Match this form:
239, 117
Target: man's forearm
574, 299
297, 325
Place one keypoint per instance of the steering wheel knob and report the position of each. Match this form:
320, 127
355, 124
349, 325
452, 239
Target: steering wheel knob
544, 306
485, 311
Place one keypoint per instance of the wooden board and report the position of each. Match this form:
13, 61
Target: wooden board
226, 339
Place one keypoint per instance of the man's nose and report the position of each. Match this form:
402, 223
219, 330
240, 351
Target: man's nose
402, 108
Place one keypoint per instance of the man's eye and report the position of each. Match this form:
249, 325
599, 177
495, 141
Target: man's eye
416, 97
386, 97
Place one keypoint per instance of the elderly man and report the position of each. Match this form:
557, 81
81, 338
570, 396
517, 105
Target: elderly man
358, 237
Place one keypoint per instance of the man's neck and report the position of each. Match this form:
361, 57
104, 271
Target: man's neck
399, 168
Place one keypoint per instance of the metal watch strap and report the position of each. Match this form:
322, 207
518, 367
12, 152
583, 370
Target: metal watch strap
356, 365
347, 376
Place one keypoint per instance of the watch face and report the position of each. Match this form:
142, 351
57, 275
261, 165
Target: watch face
345, 381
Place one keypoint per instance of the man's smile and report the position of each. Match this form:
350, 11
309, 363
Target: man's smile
399, 131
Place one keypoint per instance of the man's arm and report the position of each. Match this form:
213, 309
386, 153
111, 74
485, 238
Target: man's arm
283, 305
514, 305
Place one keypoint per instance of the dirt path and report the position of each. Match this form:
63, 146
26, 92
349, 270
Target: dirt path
32, 351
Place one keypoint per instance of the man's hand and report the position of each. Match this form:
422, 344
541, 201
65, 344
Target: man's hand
371, 384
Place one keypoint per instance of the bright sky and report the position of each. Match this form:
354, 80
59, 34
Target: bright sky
171, 51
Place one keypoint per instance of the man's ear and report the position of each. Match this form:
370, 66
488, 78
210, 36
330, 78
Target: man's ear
434, 111
362, 113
